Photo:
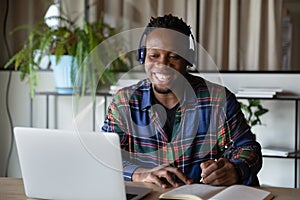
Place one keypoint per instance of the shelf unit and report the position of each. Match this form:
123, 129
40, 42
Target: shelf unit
296, 155
55, 95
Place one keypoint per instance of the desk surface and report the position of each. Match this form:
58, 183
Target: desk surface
12, 189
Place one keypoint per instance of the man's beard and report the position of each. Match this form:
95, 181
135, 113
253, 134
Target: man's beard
162, 91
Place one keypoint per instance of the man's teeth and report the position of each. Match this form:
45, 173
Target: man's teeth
162, 77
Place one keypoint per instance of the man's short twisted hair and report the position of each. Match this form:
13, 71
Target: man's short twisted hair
170, 22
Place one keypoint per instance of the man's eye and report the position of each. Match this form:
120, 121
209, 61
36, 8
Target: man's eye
175, 57
153, 56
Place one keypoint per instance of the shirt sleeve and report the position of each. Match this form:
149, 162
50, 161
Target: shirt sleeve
242, 148
116, 122
128, 169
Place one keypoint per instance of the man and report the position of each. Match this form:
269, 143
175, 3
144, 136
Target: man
176, 128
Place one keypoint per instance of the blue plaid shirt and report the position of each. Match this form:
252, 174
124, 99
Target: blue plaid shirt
208, 124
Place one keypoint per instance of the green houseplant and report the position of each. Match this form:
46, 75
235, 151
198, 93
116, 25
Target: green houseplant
253, 110
67, 39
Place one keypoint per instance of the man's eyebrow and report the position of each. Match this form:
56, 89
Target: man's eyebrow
169, 50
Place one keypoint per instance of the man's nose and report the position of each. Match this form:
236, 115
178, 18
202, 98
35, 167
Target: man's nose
164, 60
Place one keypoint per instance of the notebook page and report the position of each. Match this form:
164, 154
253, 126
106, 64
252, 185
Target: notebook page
201, 190
244, 192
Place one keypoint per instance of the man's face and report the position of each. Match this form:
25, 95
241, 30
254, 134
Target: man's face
164, 58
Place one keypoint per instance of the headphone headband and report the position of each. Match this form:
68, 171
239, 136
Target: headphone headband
142, 50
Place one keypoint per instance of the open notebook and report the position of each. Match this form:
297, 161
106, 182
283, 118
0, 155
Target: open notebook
60, 164
204, 192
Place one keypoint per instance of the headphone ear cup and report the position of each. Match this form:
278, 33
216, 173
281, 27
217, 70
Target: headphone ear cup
141, 54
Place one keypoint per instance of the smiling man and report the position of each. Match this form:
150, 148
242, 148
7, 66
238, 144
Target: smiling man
176, 128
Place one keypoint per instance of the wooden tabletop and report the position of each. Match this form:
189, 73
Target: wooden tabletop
13, 189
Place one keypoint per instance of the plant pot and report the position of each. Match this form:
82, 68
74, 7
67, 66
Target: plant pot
65, 74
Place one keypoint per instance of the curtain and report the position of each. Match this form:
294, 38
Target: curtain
241, 34
127, 14
18, 14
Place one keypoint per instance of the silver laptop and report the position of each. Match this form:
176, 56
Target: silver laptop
60, 164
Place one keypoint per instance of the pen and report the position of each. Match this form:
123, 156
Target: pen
201, 180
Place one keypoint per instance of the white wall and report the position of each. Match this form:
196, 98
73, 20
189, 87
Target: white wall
18, 102
278, 128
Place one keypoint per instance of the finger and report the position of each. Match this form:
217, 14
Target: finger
225, 175
209, 169
162, 177
216, 180
152, 178
170, 176
170, 179
205, 164
220, 163
216, 176
230, 176
223, 179
180, 175
165, 183
212, 166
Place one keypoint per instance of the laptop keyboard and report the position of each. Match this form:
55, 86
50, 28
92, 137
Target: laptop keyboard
130, 196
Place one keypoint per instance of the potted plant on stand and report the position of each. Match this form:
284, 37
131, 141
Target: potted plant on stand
67, 45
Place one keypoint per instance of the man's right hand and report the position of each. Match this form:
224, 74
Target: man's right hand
164, 176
